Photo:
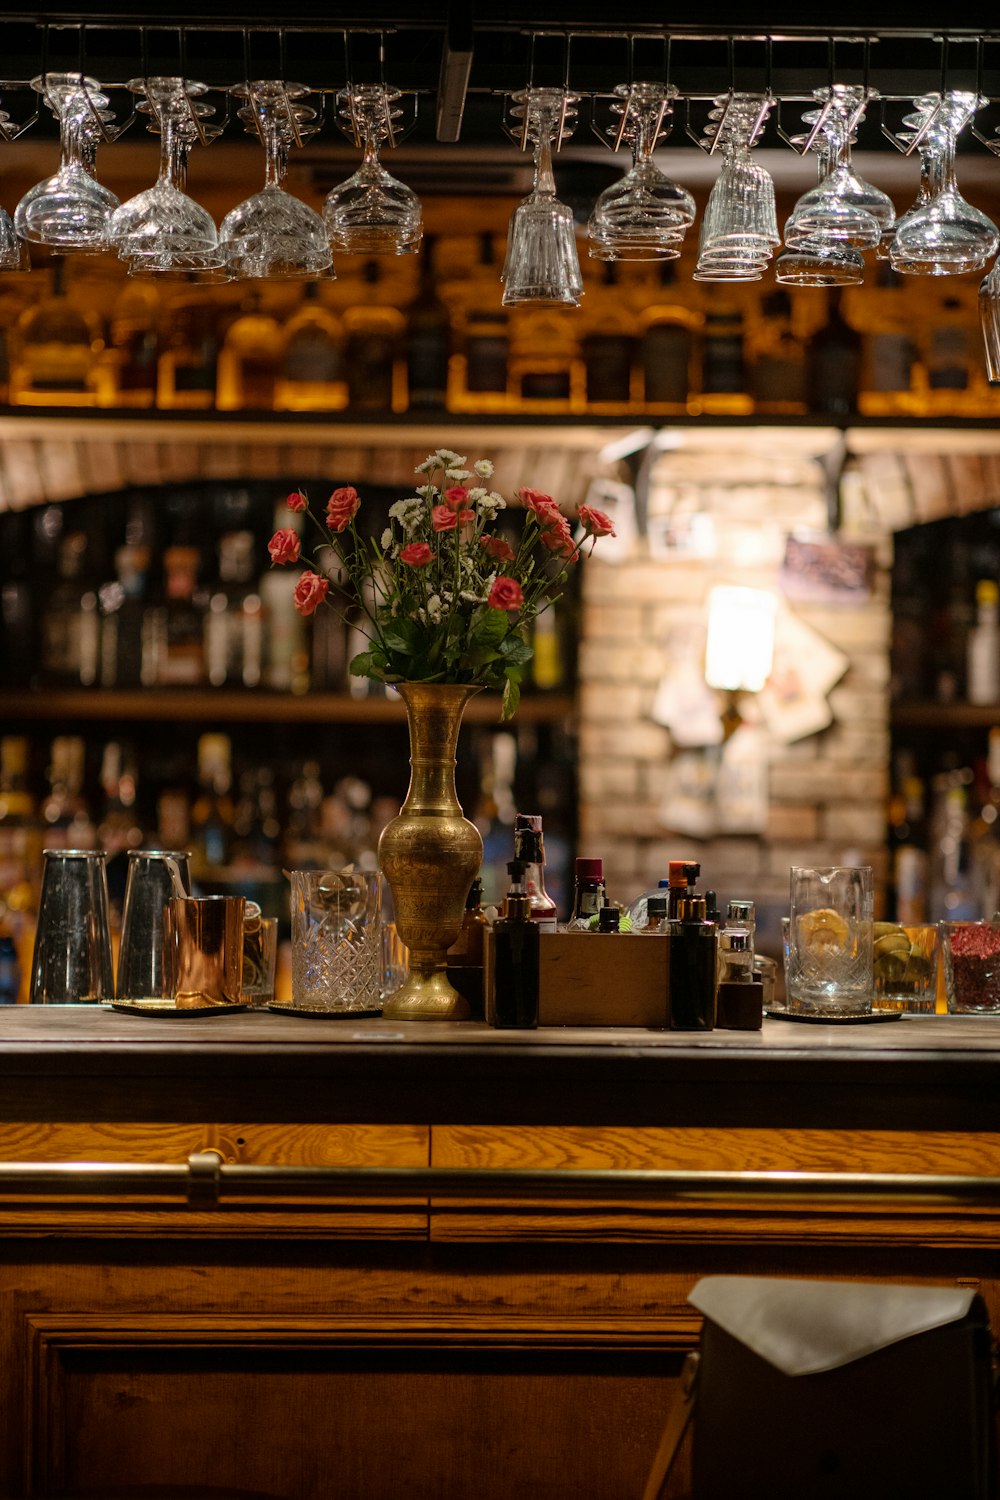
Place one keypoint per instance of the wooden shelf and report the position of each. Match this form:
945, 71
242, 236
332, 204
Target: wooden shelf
229, 706
944, 715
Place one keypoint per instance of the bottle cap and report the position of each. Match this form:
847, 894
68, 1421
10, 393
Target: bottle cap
515, 869
608, 919
691, 909
532, 821
738, 942
740, 911
528, 845
656, 906
589, 869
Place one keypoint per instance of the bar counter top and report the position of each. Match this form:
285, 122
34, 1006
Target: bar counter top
84, 1063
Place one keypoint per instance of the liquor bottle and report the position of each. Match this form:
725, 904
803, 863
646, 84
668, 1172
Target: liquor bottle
305, 845
175, 629
682, 876
70, 636
777, 359
18, 627
545, 370
212, 810
667, 341
984, 837
529, 848
548, 661
123, 612
589, 894
889, 359
187, 367
249, 360
691, 983
55, 351
375, 333
952, 888
428, 338
723, 364
126, 373
118, 828
948, 360
608, 347
833, 363
515, 958
480, 369
234, 630
467, 949
65, 815
982, 678
908, 850
311, 374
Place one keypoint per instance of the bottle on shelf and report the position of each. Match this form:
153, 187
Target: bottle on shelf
589, 894
19, 589
479, 376
546, 374
982, 679
984, 837
515, 958
607, 347
127, 370
123, 613
66, 819
20, 854
693, 967
212, 815
908, 849
428, 338
375, 337
234, 627
529, 848
952, 893
69, 653
249, 359
56, 347
889, 370
950, 360
467, 949
723, 364
833, 363
639, 910
174, 627
187, 368
311, 371
777, 359
669, 329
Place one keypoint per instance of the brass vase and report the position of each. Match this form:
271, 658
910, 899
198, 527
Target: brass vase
430, 854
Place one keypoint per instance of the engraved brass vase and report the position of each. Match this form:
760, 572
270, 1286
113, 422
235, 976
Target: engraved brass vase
430, 855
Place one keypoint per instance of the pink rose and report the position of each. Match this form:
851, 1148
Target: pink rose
498, 548
544, 507
416, 555
284, 546
443, 518
310, 591
466, 518
558, 539
456, 496
505, 594
297, 500
341, 508
595, 522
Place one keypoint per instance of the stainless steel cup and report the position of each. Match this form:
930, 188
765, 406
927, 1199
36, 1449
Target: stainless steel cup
153, 877
204, 941
72, 958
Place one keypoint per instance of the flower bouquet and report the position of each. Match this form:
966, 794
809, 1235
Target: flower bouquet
444, 596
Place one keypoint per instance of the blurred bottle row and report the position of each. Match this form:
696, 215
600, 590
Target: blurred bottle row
432, 335
175, 589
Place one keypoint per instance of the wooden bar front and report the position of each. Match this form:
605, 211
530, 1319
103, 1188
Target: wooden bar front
435, 1347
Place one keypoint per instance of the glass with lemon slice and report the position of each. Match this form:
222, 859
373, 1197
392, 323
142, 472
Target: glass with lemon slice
829, 962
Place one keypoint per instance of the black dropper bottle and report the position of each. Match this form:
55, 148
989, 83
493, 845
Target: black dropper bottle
515, 958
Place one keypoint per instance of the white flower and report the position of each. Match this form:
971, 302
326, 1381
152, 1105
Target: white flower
488, 506
387, 539
409, 514
477, 492
427, 491
483, 468
428, 466
469, 598
448, 460
458, 476
435, 609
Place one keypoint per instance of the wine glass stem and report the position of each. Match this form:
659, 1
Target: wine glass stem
272, 153
544, 180
937, 167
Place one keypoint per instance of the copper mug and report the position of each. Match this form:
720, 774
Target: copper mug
203, 938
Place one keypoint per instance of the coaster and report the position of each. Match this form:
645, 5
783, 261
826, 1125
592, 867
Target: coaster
316, 1012
138, 1008
858, 1018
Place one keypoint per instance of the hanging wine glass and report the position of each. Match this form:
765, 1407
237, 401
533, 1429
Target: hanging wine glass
989, 318
542, 264
942, 234
162, 230
372, 213
70, 210
645, 215
273, 233
739, 230
842, 209
13, 250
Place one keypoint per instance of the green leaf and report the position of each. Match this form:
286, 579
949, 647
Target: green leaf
511, 697
368, 664
488, 627
401, 635
515, 651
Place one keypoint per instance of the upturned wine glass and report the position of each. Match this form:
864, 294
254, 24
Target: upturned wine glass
645, 215
739, 230
372, 212
989, 317
163, 230
842, 209
942, 234
274, 233
542, 264
70, 210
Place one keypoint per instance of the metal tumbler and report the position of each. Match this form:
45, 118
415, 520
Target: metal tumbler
72, 958
154, 876
204, 937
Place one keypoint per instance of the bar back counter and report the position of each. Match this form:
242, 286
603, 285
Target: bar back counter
286, 1259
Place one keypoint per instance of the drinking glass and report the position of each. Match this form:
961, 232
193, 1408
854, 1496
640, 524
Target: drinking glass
989, 317
829, 968
372, 213
842, 209
971, 967
162, 230
645, 215
153, 877
336, 939
542, 264
273, 233
942, 234
204, 941
811, 263
739, 230
72, 962
70, 210
905, 962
